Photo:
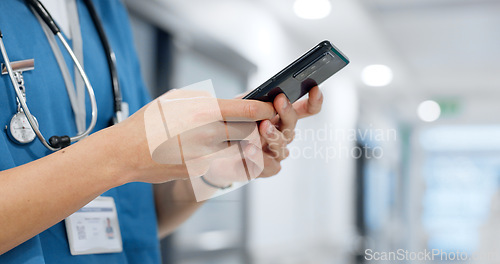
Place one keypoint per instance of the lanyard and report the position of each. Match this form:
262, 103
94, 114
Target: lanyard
76, 35
76, 96
77, 99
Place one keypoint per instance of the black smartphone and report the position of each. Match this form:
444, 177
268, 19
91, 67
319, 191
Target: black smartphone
311, 69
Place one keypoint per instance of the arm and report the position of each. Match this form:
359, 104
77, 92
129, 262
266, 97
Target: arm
175, 201
39, 194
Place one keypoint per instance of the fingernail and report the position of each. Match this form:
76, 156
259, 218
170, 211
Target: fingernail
319, 94
285, 104
270, 128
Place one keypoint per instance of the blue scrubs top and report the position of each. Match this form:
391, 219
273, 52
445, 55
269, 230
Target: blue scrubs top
49, 103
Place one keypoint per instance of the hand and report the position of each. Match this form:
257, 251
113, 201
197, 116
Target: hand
182, 126
279, 132
250, 159
246, 160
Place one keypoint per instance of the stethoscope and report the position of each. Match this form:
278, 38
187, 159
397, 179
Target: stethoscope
23, 118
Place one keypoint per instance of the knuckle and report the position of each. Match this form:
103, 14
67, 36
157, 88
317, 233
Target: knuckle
200, 116
208, 114
213, 135
274, 138
210, 136
276, 168
250, 111
289, 135
286, 153
283, 154
275, 154
283, 140
292, 136
315, 110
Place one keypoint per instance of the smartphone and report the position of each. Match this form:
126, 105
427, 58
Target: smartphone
311, 69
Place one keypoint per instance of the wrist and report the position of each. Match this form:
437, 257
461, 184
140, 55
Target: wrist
112, 156
127, 148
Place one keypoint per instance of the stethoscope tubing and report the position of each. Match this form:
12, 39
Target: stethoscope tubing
20, 97
37, 7
110, 56
90, 90
25, 107
45, 15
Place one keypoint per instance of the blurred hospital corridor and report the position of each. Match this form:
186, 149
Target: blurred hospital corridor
401, 165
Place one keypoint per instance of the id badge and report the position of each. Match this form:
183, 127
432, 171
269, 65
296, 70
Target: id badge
94, 229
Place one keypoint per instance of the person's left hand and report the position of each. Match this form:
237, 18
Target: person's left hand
277, 133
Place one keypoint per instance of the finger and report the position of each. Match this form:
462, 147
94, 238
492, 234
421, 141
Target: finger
204, 140
223, 172
222, 153
179, 149
219, 131
288, 116
266, 167
312, 105
207, 134
271, 166
245, 110
254, 160
241, 130
239, 164
274, 139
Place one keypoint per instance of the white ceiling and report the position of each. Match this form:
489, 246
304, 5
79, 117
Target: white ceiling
447, 44
450, 49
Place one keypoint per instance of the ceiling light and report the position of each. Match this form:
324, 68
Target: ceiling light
377, 75
429, 111
312, 9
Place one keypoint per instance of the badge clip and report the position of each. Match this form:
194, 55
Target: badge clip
20, 66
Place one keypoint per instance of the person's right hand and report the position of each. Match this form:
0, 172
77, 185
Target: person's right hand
183, 127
